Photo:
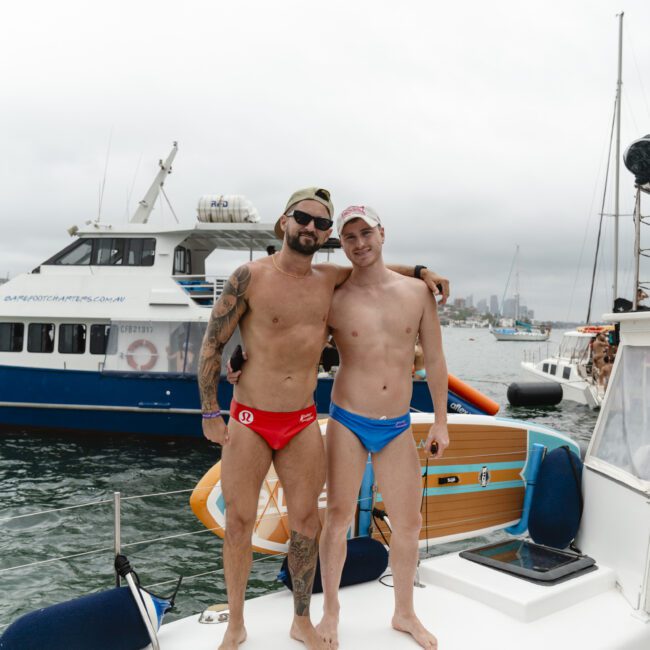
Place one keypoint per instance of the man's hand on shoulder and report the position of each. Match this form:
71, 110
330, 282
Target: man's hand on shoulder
432, 280
339, 274
438, 433
215, 430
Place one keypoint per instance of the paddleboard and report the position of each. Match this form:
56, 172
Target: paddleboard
477, 487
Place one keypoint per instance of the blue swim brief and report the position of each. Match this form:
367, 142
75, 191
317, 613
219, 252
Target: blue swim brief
373, 434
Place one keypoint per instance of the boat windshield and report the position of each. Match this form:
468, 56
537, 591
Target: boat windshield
574, 347
623, 438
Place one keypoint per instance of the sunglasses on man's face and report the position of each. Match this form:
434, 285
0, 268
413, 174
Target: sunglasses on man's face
304, 218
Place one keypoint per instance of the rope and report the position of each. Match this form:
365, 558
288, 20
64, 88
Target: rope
162, 494
57, 559
214, 571
166, 537
46, 512
162, 189
602, 212
102, 501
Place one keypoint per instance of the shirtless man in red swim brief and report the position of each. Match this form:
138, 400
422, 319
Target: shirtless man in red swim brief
281, 304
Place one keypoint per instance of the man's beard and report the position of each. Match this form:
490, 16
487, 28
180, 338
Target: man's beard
294, 243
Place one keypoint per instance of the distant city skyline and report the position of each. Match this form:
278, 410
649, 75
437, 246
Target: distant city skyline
513, 307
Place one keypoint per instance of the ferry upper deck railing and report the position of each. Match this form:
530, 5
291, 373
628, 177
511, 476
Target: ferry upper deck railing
538, 354
203, 289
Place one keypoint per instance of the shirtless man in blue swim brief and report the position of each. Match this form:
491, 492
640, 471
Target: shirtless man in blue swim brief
374, 319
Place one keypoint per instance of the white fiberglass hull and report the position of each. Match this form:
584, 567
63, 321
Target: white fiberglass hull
520, 336
465, 605
573, 389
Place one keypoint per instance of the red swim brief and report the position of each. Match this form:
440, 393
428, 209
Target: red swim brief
276, 428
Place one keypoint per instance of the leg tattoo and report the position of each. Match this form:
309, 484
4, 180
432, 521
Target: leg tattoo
303, 555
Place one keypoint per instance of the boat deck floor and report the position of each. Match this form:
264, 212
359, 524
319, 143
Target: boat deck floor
586, 612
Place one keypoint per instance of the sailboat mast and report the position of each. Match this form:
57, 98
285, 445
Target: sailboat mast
517, 286
619, 85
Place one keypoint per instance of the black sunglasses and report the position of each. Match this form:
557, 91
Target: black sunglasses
304, 218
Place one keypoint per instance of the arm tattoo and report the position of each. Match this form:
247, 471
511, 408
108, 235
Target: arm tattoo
303, 555
226, 313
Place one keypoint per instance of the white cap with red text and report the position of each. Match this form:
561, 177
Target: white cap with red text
358, 212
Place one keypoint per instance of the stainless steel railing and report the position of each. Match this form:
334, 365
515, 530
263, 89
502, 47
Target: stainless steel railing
203, 289
118, 545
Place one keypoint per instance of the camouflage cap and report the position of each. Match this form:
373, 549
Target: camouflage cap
308, 194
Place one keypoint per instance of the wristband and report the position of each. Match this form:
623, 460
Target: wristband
417, 273
211, 415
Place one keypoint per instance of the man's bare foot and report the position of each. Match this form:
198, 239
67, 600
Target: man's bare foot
328, 628
235, 634
303, 630
411, 625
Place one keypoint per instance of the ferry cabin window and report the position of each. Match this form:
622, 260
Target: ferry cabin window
11, 337
623, 435
75, 254
108, 251
99, 338
182, 261
72, 339
40, 337
140, 252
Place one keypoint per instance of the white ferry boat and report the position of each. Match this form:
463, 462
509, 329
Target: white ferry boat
103, 337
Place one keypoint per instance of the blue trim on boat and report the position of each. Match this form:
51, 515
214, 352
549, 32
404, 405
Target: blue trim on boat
476, 467
465, 489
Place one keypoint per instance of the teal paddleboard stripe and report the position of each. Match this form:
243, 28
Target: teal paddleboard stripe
466, 489
476, 467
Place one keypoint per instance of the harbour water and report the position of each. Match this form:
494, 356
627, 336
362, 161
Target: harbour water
39, 473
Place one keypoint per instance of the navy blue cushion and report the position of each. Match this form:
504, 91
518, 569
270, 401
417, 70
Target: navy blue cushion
366, 560
557, 501
108, 620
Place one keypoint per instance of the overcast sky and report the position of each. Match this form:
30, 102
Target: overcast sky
470, 126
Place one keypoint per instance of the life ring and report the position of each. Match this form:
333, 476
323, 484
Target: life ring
136, 345
595, 329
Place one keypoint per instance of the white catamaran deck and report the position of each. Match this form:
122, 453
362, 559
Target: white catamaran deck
587, 612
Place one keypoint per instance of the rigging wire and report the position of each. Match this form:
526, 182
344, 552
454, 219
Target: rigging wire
103, 185
162, 189
505, 291
602, 213
587, 231
130, 191
628, 35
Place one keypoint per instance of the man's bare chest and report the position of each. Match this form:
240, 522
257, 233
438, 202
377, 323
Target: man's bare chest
289, 304
388, 313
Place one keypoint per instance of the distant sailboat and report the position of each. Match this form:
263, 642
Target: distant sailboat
573, 365
521, 331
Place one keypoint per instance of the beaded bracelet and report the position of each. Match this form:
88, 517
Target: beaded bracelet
211, 415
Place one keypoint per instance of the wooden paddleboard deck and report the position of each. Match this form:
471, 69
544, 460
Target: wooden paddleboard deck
477, 487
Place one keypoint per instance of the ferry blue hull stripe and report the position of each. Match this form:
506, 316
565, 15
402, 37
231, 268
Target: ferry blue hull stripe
96, 391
